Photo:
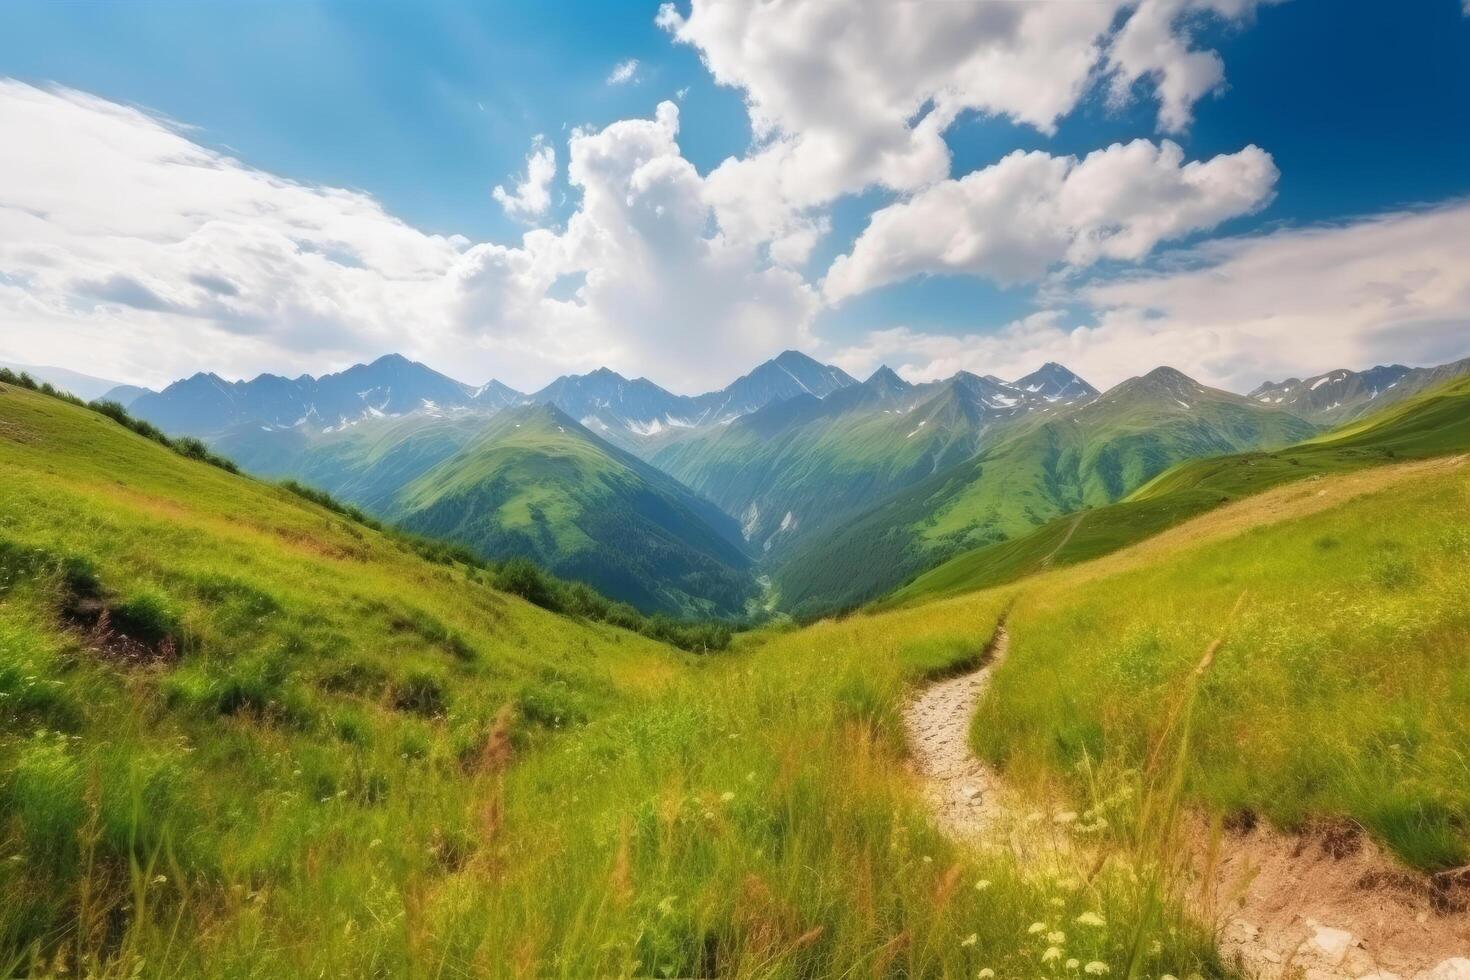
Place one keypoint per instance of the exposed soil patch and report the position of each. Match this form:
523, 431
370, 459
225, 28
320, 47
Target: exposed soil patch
1327, 905
1330, 904
112, 633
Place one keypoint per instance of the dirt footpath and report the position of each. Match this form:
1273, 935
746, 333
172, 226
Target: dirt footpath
1328, 906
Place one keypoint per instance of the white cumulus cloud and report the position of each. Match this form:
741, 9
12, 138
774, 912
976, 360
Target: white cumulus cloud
1013, 221
531, 196
845, 95
1154, 45
659, 292
130, 250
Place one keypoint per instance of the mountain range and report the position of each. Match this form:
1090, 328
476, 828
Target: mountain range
626, 412
796, 474
796, 466
1088, 454
1341, 396
206, 404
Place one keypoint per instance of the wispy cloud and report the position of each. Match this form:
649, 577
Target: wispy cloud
624, 72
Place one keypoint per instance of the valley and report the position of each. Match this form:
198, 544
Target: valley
729, 490
403, 734
841, 490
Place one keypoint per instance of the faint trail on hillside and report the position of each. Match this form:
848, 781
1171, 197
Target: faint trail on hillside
1046, 562
963, 791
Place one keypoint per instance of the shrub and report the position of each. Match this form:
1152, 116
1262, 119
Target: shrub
350, 726
79, 577
421, 693
258, 686
521, 577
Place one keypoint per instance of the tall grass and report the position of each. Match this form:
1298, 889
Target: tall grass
357, 762
1341, 691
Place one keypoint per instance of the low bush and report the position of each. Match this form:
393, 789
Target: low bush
421, 693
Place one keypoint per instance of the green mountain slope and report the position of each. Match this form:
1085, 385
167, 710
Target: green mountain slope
213, 692
804, 464
535, 483
367, 463
1088, 456
1428, 425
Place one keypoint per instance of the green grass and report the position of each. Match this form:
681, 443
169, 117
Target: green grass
1342, 689
337, 678
321, 755
757, 820
1434, 424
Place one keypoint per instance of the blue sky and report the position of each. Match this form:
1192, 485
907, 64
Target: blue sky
426, 106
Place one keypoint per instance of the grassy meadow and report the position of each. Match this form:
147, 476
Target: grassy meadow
241, 735
1341, 689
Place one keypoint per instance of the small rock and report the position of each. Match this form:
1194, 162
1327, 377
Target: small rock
969, 792
1244, 931
1270, 956
1332, 943
1452, 969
